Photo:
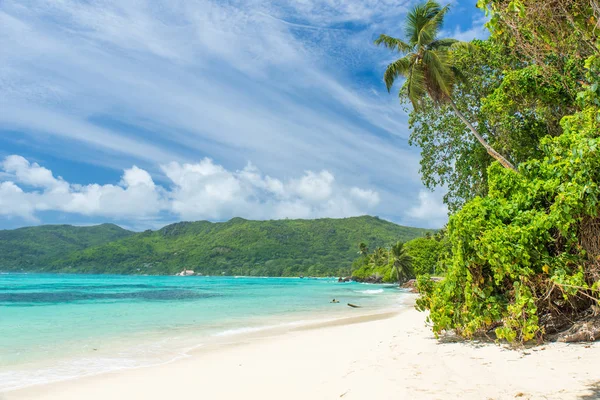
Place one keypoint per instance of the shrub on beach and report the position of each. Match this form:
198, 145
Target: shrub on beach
427, 254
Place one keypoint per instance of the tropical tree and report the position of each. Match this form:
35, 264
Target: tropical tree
400, 262
379, 257
427, 64
363, 249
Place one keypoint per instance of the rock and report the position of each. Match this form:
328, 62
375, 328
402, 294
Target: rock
411, 285
344, 279
370, 279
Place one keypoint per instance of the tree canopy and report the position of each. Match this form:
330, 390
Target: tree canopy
428, 66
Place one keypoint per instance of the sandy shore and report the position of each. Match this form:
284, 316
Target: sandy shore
384, 356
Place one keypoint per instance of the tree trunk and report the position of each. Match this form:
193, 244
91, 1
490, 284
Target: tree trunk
505, 163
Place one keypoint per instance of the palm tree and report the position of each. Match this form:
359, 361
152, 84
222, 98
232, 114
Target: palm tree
378, 258
427, 64
363, 249
400, 262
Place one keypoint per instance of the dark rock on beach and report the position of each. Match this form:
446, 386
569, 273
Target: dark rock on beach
411, 285
370, 279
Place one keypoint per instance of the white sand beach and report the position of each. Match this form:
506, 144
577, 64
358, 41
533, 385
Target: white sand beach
382, 356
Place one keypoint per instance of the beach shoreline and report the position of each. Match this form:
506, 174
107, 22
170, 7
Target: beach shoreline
201, 343
63, 327
383, 355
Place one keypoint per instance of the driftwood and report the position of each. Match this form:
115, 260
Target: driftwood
353, 305
588, 331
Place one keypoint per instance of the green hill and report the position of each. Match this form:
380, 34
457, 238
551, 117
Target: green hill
32, 247
238, 247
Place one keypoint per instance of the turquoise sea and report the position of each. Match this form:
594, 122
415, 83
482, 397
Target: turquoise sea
55, 327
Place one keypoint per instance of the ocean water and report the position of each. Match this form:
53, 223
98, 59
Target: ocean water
55, 327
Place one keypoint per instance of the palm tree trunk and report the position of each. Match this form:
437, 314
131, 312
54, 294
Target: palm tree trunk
505, 163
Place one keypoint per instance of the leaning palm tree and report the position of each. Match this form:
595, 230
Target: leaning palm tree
400, 262
427, 64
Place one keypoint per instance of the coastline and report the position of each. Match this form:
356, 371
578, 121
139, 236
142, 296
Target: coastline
157, 349
379, 355
61, 327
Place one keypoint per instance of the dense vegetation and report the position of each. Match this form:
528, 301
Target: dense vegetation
401, 261
525, 242
39, 245
237, 247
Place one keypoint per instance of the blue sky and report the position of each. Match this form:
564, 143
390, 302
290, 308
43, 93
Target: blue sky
147, 112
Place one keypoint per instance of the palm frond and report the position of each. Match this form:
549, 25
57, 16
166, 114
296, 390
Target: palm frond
442, 44
439, 76
400, 67
431, 28
459, 45
400, 262
418, 18
458, 75
393, 43
415, 86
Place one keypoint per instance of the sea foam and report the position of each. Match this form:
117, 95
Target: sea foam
370, 291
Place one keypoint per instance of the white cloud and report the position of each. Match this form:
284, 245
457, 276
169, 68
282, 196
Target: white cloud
367, 197
209, 191
202, 190
430, 210
15, 203
135, 197
314, 187
30, 173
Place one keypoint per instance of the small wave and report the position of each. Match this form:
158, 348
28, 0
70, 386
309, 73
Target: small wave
370, 291
251, 329
238, 331
88, 366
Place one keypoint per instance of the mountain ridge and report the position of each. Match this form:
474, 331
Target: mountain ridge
288, 247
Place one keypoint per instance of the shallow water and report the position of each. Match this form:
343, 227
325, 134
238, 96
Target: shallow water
55, 327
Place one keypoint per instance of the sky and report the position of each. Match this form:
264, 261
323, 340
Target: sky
147, 112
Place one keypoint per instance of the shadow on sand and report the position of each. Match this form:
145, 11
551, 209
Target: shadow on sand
594, 392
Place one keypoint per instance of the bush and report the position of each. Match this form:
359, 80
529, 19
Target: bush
426, 254
363, 270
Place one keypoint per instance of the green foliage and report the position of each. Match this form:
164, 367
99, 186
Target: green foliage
526, 107
427, 255
237, 247
517, 253
25, 248
372, 268
525, 253
420, 256
513, 106
548, 33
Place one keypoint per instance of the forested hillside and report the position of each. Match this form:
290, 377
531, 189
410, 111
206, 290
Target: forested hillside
236, 247
38, 245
